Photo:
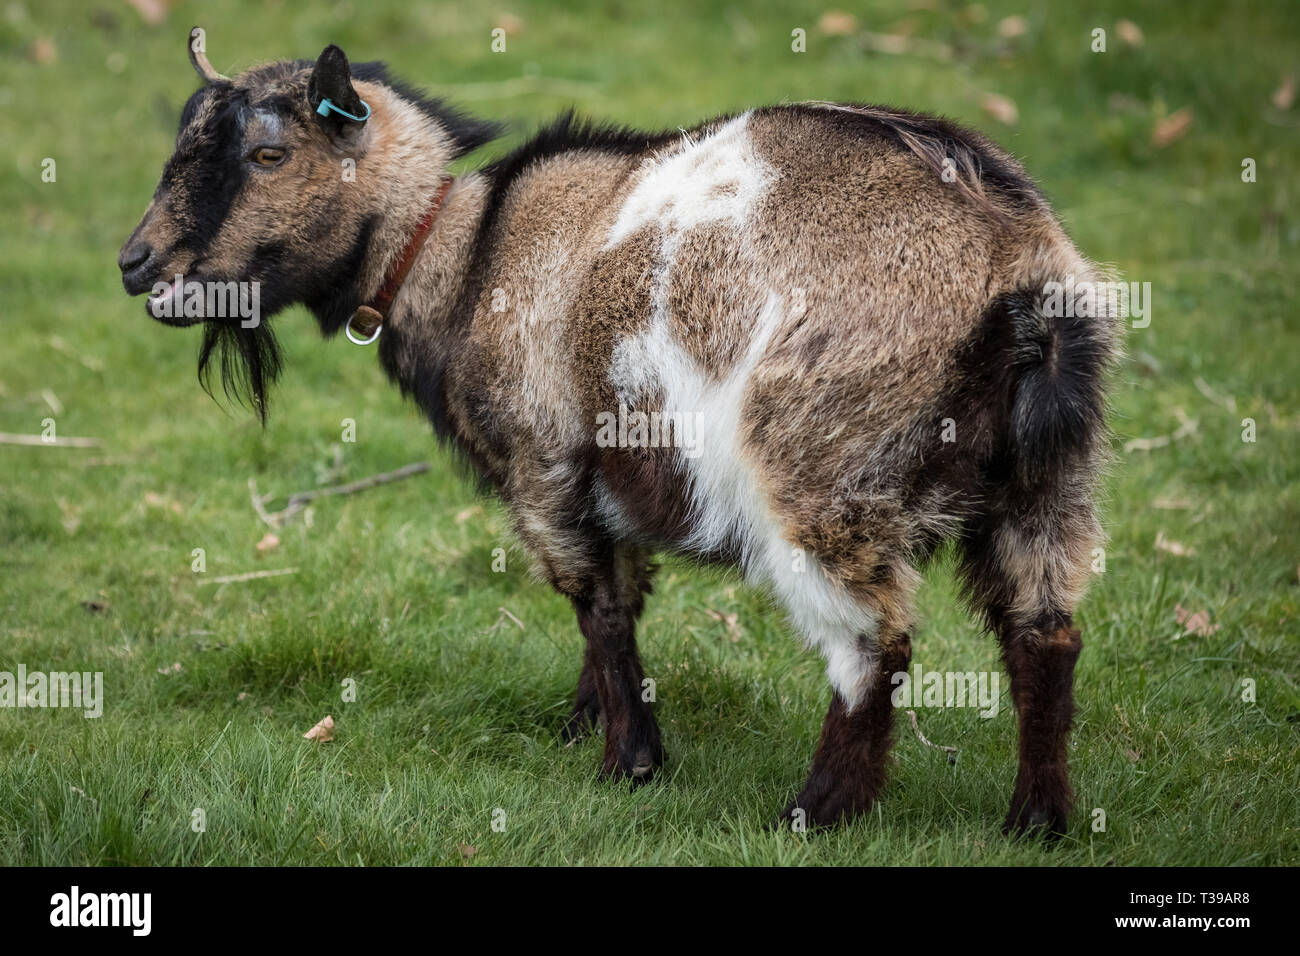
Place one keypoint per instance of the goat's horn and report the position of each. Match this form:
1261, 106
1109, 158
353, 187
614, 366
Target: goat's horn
199, 56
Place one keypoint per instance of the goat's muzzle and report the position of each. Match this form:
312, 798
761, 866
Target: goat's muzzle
139, 266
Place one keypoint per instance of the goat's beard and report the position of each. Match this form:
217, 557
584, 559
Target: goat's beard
249, 359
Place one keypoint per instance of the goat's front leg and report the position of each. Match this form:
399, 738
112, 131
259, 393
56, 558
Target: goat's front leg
607, 612
848, 770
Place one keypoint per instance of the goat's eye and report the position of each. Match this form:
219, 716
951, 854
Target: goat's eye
267, 156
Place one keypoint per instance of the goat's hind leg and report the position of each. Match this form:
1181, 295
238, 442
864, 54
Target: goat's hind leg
1026, 572
1040, 661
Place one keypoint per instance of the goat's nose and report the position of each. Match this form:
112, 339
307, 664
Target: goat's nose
133, 254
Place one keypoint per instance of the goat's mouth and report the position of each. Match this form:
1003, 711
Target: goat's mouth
167, 305
194, 297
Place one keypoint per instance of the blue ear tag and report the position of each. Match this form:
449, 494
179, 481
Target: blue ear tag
327, 105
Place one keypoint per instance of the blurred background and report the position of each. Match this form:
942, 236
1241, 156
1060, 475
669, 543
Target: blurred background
1139, 135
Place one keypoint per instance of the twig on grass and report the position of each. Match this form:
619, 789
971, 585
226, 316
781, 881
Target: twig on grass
67, 441
512, 617
1188, 427
259, 504
300, 499
893, 43
248, 576
950, 751
1226, 402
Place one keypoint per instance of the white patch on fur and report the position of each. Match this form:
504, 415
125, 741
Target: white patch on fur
727, 502
719, 176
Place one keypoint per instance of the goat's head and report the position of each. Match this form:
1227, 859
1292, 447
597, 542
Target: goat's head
282, 181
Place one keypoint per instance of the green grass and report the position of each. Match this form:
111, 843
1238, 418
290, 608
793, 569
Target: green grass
457, 709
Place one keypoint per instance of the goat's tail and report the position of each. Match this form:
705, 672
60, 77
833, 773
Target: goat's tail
1027, 554
1060, 359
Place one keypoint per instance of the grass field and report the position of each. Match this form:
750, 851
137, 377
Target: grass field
457, 708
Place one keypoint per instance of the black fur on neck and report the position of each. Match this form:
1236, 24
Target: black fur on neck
336, 294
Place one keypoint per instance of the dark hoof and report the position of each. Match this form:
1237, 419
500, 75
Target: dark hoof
638, 768
1035, 823
807, 814
793, 818
643, 767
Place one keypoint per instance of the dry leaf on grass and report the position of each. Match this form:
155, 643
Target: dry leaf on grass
510, 23
1129, 33
1000, 108
1172, 128
155, 500
732, 622
1173, 547
466, 849
152, 12
1194, 622
174, 669
887, 43
71, 516
43, 51
269, 542
1284, 95
837, 23
1011, 27
323, 732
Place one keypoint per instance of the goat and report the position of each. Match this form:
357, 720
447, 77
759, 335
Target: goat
843, 306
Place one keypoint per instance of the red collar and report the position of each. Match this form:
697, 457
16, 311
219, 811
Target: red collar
364, 324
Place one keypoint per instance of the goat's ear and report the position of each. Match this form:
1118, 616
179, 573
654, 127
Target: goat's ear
331, 79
